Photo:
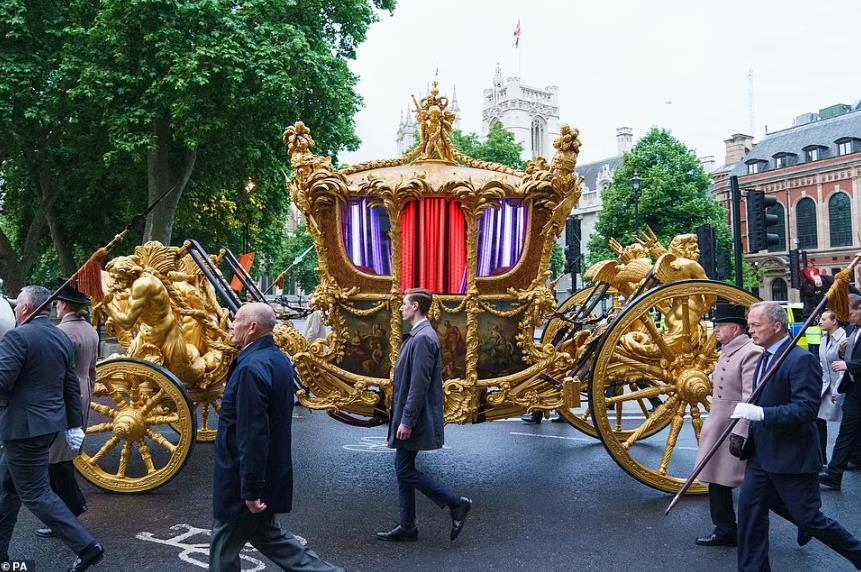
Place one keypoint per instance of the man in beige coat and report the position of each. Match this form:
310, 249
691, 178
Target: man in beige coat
72, 310
732, 382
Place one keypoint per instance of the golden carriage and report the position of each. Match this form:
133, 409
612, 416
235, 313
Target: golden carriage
480, 236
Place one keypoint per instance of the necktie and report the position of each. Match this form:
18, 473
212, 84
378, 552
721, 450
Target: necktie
763, 367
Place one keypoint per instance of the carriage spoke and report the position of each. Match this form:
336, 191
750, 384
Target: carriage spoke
158, 439
124, 459
162, 419
146, 456
641, 394
102, 409
696, 420
657, 338
115, 394
152, 401
672, 438
106, 448
653, 418
100, 428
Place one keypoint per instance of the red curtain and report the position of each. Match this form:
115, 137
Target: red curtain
433, 246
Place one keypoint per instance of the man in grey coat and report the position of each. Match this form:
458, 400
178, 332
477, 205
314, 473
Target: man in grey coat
416, 423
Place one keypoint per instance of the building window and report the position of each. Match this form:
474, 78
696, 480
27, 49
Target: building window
753, 168
813, 154
805, 214
538, 129
840, 220
780, 162
844, 148
779, 292
779, 229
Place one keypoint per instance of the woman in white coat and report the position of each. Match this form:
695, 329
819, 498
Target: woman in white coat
831, 407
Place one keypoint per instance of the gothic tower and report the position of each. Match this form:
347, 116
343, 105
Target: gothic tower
531, 113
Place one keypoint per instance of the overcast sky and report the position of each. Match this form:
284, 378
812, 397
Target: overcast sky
677, 64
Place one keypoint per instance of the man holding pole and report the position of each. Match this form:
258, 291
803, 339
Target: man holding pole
782, 446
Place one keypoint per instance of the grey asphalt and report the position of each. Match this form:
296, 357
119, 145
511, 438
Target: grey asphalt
546, 498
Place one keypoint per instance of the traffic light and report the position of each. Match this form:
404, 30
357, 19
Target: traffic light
794, 268
572, 245
706, 240
758, 221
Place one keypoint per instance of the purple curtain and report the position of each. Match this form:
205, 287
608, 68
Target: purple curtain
365, 232
501, 234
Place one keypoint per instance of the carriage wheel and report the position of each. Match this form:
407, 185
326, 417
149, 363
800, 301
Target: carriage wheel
140, 428
555, 332
639, 359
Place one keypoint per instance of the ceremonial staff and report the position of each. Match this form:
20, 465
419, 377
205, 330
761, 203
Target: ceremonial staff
90, 273
279, 280
837, 300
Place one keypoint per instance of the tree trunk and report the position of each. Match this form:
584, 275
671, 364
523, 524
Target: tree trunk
51, 189
167, 167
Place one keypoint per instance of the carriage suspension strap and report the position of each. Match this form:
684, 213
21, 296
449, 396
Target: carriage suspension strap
201, 258
243, 276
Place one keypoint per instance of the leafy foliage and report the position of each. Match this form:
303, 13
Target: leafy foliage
673, 196
499, 146
104, 104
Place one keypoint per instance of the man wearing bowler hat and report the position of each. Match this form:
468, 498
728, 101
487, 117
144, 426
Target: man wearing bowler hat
72, 311
732, 382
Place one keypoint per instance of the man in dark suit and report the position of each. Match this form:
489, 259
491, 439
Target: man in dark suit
417, 420
253, 477
849, 437
39, 398
782, 447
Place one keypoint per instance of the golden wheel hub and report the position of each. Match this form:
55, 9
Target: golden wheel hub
130, 425
693, 386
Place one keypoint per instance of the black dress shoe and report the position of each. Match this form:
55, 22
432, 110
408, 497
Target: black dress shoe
829, 480
45, 533
558, 419
802, 538
400, 534
715, 540
89, 557
458, 516
535, 417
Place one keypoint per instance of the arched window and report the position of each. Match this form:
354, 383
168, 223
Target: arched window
538, 129
779, 229
840, 220
778, 289
805, 213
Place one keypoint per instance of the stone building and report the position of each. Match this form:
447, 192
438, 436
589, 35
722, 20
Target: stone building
813, 169
531, 113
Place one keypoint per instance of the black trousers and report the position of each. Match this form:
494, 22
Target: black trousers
849, 436
24, 479
266, 535
722, 511
64, 483
411, 479
822, 428
799, 494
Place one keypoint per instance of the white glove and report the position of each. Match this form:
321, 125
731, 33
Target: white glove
748, 411
75, 438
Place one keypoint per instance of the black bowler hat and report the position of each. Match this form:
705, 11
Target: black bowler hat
72, 294
726, 313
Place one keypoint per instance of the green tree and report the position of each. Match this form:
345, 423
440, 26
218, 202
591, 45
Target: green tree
204, 88
499, 146
104, 105
674, 196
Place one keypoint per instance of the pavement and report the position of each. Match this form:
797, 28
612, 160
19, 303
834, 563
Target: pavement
546, 498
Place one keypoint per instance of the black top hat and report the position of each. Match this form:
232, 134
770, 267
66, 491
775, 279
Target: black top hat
725, 312
72, 294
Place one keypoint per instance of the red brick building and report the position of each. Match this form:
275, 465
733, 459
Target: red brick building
814, 171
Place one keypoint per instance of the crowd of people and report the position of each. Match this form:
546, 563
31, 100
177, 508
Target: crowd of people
776, 454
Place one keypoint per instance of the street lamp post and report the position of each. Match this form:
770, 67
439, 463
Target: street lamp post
635, 185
